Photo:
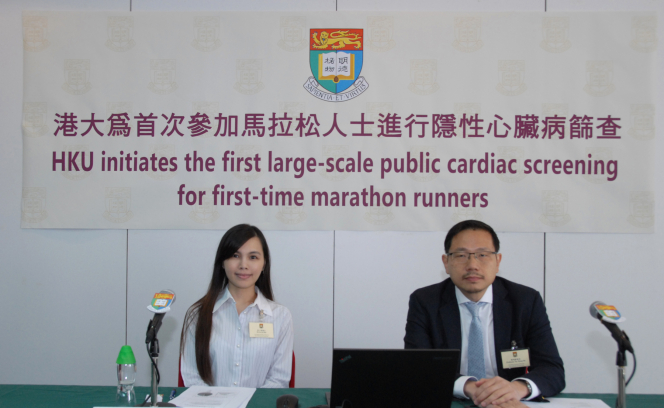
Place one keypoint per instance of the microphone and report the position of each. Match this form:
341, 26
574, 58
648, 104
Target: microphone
287, 401
609, 317
161, 303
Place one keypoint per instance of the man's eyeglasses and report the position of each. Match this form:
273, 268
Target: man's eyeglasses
463, 257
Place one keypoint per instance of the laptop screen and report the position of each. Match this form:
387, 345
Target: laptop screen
369, 378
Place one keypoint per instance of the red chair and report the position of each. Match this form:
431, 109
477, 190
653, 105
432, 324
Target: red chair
291, 384
180, 380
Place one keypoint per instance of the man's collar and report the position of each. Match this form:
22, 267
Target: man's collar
261, 301
487, 298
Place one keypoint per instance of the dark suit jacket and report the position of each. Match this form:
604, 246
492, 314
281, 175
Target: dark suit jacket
519, 314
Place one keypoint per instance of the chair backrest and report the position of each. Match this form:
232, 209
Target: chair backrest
180, 380
291, 383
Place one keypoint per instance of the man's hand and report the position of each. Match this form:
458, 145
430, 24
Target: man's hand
494, 391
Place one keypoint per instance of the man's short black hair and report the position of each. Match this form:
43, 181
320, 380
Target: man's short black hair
472, 225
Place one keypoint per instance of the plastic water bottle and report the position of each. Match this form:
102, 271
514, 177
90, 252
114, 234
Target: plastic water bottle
126, 396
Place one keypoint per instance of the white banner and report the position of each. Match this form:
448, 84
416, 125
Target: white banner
339, 120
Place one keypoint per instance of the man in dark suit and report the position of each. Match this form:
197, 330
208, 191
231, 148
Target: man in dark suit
484, 315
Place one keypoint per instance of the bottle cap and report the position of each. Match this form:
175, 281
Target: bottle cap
126, 356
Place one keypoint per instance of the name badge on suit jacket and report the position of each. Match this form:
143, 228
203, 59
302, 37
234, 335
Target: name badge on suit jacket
515, 358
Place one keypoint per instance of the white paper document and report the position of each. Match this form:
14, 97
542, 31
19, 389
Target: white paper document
222, 397
568, 403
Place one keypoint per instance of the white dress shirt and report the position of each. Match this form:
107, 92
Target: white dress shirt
239, 360
486, 318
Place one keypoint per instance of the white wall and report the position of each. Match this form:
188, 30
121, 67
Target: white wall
62, 293
69, 298
619, 269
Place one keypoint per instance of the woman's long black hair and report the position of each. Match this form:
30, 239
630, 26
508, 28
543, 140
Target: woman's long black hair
201, 311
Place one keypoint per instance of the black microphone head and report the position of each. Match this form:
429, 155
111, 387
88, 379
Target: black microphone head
287, 401
593, 310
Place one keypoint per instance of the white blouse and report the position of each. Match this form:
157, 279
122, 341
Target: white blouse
239, 360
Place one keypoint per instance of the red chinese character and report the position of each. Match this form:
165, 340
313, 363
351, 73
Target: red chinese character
175, 121
92, 125
335, 126
494, 126
308, 125
226, 125
473, 124
284, 131
608, 127
253, 125
67, 124
553, 125
412, 122
145, 124
389, 125
362, 124
581, 128
443, 125
199, 124
119, 124
526, 126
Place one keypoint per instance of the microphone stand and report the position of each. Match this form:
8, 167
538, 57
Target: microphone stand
621, 362
154, 356
624, 345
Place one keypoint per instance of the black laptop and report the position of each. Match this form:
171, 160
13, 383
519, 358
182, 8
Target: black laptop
369, 378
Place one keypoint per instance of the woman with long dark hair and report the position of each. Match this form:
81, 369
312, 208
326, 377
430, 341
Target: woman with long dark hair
236, 335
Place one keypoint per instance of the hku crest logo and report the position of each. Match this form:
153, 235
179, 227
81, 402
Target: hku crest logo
207, 212
207, 31
554, 208
120, 32
336, 58
77, 76
33, 208
118, 204
641, 209
470, 213
34, 118
34, 33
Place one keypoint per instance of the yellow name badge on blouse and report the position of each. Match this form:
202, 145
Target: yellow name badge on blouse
260, 329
